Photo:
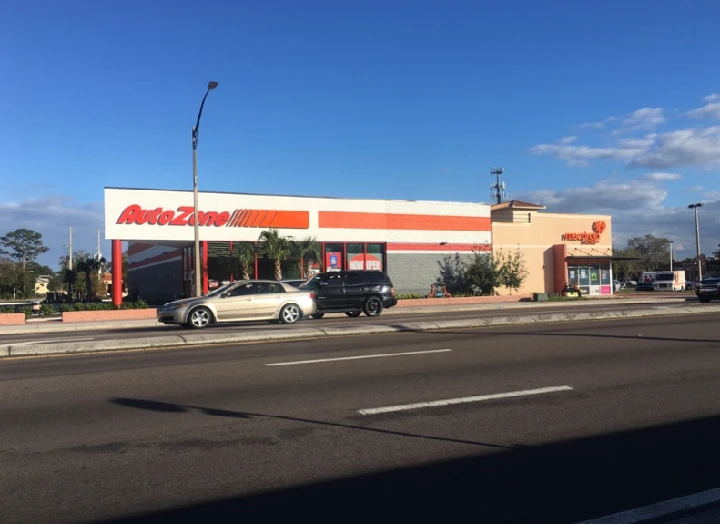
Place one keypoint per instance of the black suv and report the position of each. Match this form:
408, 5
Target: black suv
708, 289
351, 292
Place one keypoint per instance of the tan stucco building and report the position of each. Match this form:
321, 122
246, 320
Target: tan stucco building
557, 248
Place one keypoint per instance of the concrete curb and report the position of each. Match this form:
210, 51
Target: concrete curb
16, 350
51, 327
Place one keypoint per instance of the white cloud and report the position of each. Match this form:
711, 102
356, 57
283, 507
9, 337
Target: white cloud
645, 118
638, 208
692, 147
567, 140
710, 110
662, 176
694, 189
683, 147
52, 216
580, 155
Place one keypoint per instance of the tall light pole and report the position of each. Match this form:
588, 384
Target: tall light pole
671, 253
697, 237
210, 87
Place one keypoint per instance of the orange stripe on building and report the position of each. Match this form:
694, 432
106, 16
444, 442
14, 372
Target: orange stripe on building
267, 220
241, 218
290, 220
259, 215
396, 221
435, 246
138, 247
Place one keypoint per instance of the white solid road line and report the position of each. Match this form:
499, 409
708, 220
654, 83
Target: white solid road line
358, 357
464, 400
50, 340
660, 509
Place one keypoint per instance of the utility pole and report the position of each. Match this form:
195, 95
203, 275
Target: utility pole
70, 264
498, 188
671, 254
196, 219
697, 237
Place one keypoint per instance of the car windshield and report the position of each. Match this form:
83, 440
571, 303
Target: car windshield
311, 283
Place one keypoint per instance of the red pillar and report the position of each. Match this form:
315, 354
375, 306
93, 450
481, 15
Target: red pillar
117, 283
205, 281
560, 267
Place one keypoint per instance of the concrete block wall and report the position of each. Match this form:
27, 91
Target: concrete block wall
415, 272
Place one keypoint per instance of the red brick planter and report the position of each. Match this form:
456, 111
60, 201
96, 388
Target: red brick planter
12, 319
109, 315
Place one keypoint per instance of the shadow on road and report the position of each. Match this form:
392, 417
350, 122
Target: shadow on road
165, 407
559, 483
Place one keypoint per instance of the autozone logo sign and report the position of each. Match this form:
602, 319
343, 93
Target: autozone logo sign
184, 216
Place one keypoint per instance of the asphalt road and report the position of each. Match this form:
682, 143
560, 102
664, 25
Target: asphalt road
327, 321
246, 434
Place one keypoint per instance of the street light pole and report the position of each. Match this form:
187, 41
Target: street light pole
198, 292
671, 254
697, 237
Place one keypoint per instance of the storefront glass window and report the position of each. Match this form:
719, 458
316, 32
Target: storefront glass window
584, 273
594, 275
605, 274
572, 275
375, 254
355, 259
333, 257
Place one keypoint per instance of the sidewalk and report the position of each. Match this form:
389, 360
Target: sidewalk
56, 326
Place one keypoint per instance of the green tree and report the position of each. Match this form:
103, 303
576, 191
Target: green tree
90, 266
512, 270
483, 272
276, 247
452, 273
23, 246
626, 268
245, 253
653, 251
74, 280
309, 251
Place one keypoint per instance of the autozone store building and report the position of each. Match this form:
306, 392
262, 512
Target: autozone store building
406, 239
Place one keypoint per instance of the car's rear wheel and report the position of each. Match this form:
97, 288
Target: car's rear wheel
200, 318
704, 300
318, 315
353, 313
373, 307
290, 313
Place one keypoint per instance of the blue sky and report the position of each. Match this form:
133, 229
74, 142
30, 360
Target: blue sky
588, 107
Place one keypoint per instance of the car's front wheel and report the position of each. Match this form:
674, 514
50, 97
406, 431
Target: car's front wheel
318, 315
373, 307
199, 318
353, 313
704, 300
290, 313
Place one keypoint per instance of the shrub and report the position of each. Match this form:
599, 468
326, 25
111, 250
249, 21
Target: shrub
409, 296
7, 309
67, 308
28, 310
47, 309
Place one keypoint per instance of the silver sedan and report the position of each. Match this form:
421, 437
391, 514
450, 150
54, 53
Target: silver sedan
247, 300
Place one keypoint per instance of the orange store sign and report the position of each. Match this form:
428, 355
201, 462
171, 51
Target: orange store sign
587, 237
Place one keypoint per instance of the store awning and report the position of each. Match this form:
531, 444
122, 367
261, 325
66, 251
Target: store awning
599, 257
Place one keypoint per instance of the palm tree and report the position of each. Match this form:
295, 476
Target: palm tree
309, 251
89, 266
276, 247
246, 253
